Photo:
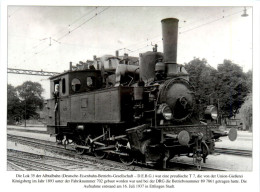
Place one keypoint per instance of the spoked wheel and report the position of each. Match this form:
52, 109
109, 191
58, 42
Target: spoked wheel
80, 151
127, 160
205, 151
100, 154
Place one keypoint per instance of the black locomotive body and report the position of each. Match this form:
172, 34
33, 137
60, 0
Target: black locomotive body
137, 108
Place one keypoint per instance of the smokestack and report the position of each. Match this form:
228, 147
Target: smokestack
170, 38
117, 53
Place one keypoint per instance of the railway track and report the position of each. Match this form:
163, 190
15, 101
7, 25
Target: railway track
112, 164
239, 152
191, 167
60, 150
34, 165
31, 161
14, 167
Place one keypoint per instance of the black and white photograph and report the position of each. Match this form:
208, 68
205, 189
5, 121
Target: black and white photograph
143, 89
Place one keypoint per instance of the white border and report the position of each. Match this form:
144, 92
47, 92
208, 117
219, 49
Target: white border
253, 177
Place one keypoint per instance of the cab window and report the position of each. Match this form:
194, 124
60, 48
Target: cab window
75, 85
63, 88
90, 82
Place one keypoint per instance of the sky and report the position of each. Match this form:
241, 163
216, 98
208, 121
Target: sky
49, 37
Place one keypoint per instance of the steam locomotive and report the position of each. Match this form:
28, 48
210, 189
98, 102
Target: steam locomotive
139, 108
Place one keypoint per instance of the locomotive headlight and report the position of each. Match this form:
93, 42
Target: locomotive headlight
211, 112
167, 112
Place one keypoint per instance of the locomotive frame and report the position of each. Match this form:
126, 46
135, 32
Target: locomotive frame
140, 112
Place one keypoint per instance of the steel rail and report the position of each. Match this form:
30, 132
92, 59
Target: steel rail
239, 152
59, 159
36, 164
108, 164
51, 145
15, 166
191, 167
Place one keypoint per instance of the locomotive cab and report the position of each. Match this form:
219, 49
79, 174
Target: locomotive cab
81, 97
73, 82
62, 87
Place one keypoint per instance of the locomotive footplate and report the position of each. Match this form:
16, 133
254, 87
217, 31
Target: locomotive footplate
206, 130
196, 139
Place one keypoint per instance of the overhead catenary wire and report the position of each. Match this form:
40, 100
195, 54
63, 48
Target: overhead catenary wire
132, 50
181, 32
68, 33
86, 46
218, 19
191, 29
42, 40
76, 20
58, 40
124, 48
139, 43
196, 23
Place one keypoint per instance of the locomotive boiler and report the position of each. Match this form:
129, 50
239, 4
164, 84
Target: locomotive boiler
139, 108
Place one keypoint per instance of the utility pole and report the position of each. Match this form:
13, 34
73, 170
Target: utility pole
25, 114
26, 89
219, 118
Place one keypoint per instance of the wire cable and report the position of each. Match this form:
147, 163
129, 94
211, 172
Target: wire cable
58, 40
223, 17
82, 24
75, 21
185, 31
41, 43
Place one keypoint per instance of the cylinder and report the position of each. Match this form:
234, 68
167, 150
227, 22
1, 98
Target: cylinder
170, 38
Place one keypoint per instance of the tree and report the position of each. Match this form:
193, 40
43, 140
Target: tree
231, 88
247, 113
14, 109
30, 94
225, 87
202, 78
249, 80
